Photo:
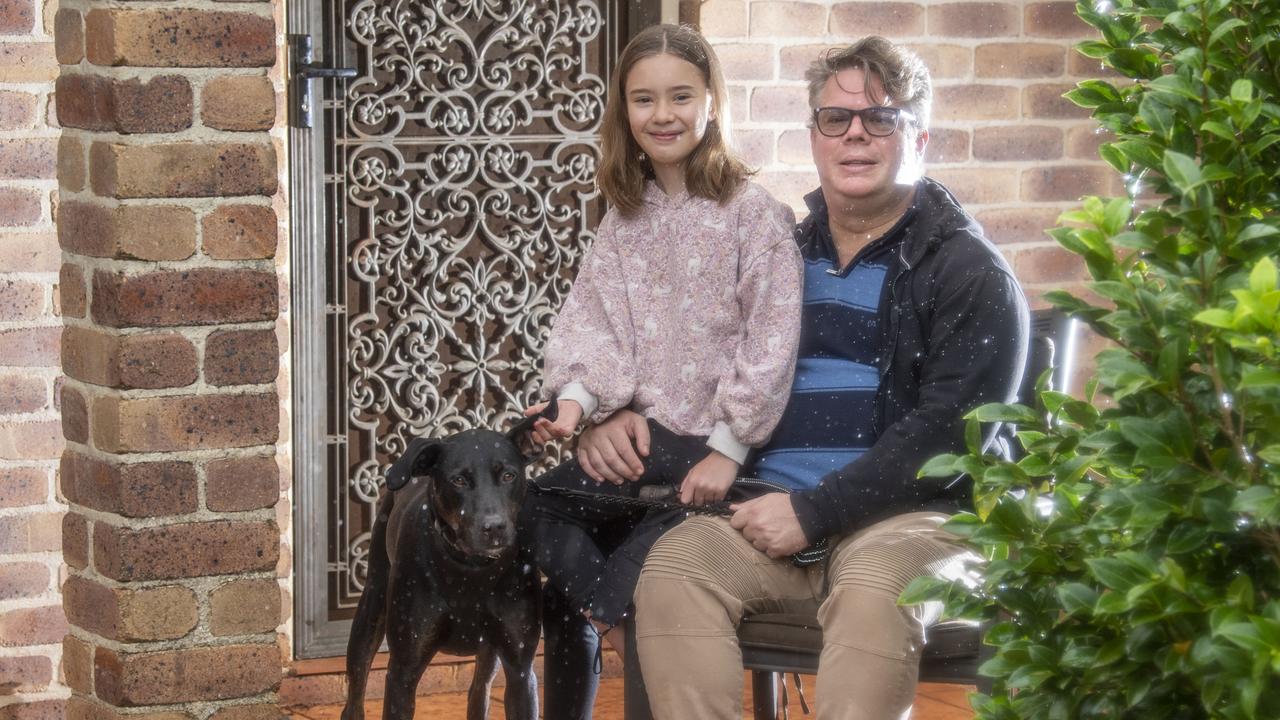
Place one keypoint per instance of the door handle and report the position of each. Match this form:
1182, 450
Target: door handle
303, 70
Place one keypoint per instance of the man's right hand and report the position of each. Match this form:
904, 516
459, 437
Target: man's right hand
612, 450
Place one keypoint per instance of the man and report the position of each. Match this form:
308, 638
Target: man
911, 318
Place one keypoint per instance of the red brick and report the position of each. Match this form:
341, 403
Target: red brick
239, 102
890, 19
240, 232
1047, 264
141, 232
947, 145
20, 207
723, 18
979, 185
164, 424
1017, 142
755, 146
27, 62
1083, 141
17, 110
71, 291
186, 675
27, 251
312, 690
968, 103
244, 607
203, 296
944, 61
1020, 60
71, 164
780, 104
746, 61
180, 38
185, 551
1065, 182
75, 416
33, 440
69, 36
182, 170
239, 484
77, 664
790, 187
91, 355
148, 489
241, 357
22, 394
75, 540
1018, 225
23, 487
36, 710
32, 626
20, 300
794, 148
973, 19
1082, 66
248, 712
22, 580
794, 60
26, 674
1054, 20
769, 18
17, 17
130, 615
1046, 101
157, 361
93, 102
29, 347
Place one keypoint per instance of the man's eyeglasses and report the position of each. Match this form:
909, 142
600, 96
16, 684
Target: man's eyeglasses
878, 121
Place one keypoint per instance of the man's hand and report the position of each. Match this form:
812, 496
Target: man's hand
612, 450
570, 414
770, 524
709, 480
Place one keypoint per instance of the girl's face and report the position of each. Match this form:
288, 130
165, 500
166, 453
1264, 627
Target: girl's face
668, 107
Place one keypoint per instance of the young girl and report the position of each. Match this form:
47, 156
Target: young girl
686, 309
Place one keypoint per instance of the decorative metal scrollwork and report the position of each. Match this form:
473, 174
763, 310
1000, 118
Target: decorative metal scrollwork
462, 187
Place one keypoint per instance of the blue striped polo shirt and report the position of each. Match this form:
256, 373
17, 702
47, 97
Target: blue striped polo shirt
828, 420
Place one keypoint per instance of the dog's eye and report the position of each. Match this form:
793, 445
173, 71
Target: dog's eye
458, 481
508, 476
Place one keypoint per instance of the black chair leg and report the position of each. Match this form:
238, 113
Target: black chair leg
764, 695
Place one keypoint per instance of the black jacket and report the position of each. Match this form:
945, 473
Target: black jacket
954, 327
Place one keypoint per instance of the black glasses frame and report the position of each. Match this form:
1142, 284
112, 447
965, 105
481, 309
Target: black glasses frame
862, 115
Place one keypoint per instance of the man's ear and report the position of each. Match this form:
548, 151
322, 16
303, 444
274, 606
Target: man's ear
417, 459
922, 140
518, 434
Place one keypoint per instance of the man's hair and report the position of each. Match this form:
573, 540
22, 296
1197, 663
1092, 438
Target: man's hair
713, 171
902, 73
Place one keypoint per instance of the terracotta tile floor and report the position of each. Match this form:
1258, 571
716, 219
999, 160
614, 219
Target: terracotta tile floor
933, 702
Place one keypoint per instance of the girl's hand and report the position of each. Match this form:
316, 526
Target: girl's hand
709, 480
566, 422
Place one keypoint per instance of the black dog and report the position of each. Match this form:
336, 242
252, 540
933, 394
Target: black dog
445, 574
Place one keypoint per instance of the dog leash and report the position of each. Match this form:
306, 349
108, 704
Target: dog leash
651, 502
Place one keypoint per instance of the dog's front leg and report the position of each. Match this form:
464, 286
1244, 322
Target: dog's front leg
481, 681
413, 629
517, 653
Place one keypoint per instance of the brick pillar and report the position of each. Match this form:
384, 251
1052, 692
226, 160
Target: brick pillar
167, 170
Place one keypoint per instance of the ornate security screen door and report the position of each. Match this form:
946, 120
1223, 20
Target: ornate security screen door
442, 200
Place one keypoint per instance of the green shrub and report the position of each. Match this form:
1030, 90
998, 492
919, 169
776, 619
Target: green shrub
1134, 551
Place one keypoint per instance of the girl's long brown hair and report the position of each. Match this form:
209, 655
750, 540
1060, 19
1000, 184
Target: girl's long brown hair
713, 171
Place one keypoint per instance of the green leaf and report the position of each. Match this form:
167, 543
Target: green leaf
1215, 36
1271, 454
1263, 277
1001, 412
1219, 129
1216, 317
1076, 597
1116, 573
1241, 90
1260, 500
1260, 378
1181, 170
1255, 231
943, 465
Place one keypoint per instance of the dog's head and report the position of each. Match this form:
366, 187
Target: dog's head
476, 486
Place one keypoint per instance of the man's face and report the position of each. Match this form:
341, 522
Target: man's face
858, 166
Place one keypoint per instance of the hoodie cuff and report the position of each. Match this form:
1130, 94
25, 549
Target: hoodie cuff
578, 393
809, 517
723, 442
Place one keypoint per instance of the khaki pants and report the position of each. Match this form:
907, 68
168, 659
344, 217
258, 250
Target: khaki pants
703, 577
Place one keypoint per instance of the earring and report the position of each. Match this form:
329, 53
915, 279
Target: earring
642, 157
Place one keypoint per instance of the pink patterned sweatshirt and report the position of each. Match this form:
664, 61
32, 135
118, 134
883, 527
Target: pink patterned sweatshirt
689, 313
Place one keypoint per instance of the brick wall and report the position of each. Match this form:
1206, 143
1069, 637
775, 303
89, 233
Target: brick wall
31, 619
169, 173
1002, 138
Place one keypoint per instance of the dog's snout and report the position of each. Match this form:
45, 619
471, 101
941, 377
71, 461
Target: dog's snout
493, 525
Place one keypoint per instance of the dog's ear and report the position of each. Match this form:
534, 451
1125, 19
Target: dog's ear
420, 455
518, 434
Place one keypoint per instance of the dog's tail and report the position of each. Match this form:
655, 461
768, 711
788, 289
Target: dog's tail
370, 622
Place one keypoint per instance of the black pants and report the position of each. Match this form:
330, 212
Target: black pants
592, 549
